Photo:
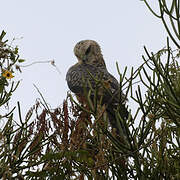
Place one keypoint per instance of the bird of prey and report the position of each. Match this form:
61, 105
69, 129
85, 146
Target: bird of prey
90, 67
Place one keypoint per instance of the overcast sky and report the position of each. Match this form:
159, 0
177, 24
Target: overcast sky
51, 28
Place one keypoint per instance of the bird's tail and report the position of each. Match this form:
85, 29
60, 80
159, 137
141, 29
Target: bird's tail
118, 115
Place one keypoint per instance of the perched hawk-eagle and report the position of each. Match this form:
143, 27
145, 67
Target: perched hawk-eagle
84, 75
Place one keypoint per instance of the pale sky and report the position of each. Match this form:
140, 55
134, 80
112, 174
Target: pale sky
51, 28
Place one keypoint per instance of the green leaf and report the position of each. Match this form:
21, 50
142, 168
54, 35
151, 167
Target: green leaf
1, 88
2, 35
21, 60
16, 50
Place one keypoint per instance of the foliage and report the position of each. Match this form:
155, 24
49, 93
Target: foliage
74, 141
9, 63
169, 11
8, 59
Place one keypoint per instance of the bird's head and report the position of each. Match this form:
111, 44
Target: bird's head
89, 52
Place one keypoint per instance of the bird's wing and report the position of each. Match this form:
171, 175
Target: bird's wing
84, 75
80, 75
77, 78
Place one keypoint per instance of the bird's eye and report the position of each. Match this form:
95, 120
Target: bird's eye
88, 50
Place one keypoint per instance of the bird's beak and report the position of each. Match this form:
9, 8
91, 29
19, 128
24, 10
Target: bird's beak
84, 59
